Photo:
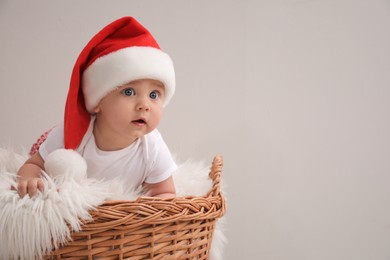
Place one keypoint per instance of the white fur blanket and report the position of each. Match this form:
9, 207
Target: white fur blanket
28, 226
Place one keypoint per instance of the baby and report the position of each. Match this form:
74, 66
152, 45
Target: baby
119, 86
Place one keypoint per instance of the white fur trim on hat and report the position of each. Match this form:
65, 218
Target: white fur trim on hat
123, 66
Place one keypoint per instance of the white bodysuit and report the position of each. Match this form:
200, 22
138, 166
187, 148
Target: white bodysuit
147, 159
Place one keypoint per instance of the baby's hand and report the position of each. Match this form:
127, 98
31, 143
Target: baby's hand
29, 176
29, 186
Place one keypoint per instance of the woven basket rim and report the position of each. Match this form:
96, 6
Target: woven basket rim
209, 206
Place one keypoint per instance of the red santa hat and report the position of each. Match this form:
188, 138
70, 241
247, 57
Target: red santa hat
121, 52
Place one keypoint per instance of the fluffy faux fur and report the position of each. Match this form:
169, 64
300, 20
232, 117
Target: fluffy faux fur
29, 225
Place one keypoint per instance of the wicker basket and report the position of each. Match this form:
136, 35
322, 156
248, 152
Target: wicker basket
150, 228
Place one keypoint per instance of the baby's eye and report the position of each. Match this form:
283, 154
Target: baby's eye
154, 95
128, 92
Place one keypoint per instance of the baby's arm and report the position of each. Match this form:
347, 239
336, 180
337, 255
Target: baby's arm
164, 189
29, 176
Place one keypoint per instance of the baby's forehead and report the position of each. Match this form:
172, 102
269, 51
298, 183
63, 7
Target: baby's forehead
144, 82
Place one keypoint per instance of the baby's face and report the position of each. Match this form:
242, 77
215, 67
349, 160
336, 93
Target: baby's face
132, 110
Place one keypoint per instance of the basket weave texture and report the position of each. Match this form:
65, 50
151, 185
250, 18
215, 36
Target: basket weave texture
150, 228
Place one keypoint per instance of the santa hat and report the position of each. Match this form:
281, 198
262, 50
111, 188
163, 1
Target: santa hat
121, 52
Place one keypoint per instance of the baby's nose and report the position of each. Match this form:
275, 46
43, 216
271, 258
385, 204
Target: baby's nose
143, 104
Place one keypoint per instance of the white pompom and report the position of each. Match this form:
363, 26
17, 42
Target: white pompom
67, 164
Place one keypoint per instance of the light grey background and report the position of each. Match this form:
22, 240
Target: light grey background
294, 94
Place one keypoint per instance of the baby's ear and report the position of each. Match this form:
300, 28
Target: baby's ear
96, 109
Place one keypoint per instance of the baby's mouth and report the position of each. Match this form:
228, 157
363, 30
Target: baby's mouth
139, 121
